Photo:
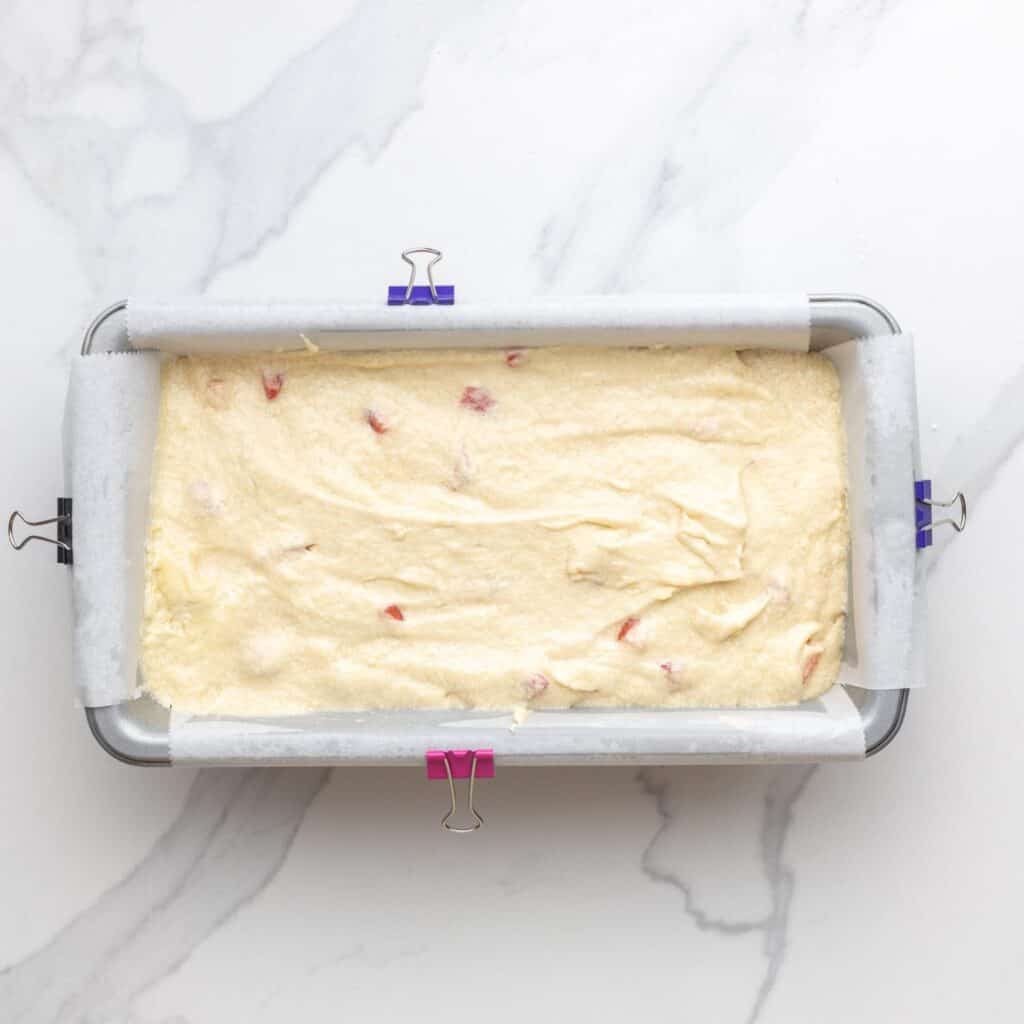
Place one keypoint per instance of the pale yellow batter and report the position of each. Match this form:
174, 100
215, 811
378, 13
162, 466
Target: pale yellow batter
540, 528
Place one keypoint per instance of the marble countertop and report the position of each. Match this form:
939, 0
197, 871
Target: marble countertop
291, 150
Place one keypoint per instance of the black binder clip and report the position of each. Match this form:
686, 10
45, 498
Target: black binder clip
62, 520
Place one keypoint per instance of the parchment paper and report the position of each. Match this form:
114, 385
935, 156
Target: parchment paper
829, 727
110, 426
739, 321
885, 624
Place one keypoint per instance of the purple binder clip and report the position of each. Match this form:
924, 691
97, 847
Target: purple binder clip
413, 294
923, 513
924, 523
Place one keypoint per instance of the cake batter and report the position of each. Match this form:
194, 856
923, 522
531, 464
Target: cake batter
531, 528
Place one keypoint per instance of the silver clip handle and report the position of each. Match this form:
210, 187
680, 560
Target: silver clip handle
958, 524
407, 256
477, 819
18, 545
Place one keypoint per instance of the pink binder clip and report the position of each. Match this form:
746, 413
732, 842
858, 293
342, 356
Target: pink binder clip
460, 764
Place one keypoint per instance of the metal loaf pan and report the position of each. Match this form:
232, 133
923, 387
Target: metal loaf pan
138, 732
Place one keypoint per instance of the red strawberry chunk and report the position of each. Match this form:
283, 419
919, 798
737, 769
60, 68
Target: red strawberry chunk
674, 674
535, 685
626, 628
377, 422
273, 381
477, 399
810, 665
394, 612
515, 357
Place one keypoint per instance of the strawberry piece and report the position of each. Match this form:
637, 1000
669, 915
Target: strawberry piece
626, 628
272, 384
477, 399
535, 685
515, 357
673, 674
394, 612
377, 422
810, 665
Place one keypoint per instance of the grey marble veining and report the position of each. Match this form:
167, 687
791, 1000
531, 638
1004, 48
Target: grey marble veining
257, 150
231, 837
782, 787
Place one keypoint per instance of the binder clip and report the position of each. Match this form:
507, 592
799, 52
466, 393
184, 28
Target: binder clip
924, 522
63, 539
460, 764
413, 294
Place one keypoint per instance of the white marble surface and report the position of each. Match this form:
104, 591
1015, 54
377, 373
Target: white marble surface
262, 149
